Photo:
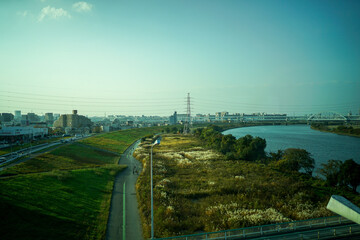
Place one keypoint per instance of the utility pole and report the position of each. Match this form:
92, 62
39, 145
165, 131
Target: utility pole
188, 116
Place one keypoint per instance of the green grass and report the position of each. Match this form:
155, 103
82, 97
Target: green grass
64, 193
119, 141
57, 205
67, 157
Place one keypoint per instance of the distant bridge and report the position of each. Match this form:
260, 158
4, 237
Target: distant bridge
327, 116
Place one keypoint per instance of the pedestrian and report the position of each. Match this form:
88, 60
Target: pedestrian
134, 169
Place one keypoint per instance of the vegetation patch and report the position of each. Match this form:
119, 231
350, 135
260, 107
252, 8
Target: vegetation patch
57, 205
64, 193
67, 157
119, 141
199, 189
338, 129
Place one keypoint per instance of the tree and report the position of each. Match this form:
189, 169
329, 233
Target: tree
258, 146
167, 129
249, 148
350, 174
227, 143
295, 159
331, 171
174, 129
276, 156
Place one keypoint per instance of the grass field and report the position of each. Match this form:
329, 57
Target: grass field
64, 193
196, 189
57, 204
119, 141
67, 157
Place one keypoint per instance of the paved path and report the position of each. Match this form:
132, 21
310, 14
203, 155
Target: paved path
125, 180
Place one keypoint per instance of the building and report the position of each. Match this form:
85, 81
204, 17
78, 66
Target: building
17, 115
73, 121
49, 119
32, 117
173, 118
56, 116
6, 117
20, 134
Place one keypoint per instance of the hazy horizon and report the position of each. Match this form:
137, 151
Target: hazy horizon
143, 57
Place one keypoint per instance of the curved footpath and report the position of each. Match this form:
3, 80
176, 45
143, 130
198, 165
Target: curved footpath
124, 221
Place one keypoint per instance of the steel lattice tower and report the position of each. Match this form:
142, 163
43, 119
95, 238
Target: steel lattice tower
188, 116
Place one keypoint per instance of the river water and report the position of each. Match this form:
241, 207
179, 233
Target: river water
322, 146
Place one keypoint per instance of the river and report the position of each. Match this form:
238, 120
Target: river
323, 146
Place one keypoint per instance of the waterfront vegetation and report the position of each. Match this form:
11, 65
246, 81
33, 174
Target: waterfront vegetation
198, 188
338, 173
64, 193
351, 130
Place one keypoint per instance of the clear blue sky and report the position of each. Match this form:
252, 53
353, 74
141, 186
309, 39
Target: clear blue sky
143, 57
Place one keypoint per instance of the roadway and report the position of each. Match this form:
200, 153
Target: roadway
9, 159
124, 220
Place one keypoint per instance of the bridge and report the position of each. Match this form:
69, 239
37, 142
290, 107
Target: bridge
318, 228
327, 116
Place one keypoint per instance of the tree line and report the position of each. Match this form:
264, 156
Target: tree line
251, 148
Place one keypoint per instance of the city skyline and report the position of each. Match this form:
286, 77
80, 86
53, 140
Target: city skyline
142, 58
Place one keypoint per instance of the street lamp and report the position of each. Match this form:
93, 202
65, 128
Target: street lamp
157, 142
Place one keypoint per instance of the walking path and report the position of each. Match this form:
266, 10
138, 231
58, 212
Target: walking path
124, 220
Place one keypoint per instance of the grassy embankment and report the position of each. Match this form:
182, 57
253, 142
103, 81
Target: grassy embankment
119, 141
196, 189
353, 131
64, 193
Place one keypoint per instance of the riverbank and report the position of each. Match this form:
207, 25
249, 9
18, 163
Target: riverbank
352, 131
197, 189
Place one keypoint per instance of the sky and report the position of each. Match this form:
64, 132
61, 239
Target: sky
144, 57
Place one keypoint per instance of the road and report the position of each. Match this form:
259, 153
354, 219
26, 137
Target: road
31, 152
124, 220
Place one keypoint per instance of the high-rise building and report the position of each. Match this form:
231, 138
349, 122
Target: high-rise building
73, 121
17, 115
173, 118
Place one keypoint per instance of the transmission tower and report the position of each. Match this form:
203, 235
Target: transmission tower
188, 116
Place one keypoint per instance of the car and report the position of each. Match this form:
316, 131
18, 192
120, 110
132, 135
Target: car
2, 159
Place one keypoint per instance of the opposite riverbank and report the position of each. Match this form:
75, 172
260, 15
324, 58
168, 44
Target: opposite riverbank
352, 131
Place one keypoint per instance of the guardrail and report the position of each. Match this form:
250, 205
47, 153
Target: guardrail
322, 233
267, 230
